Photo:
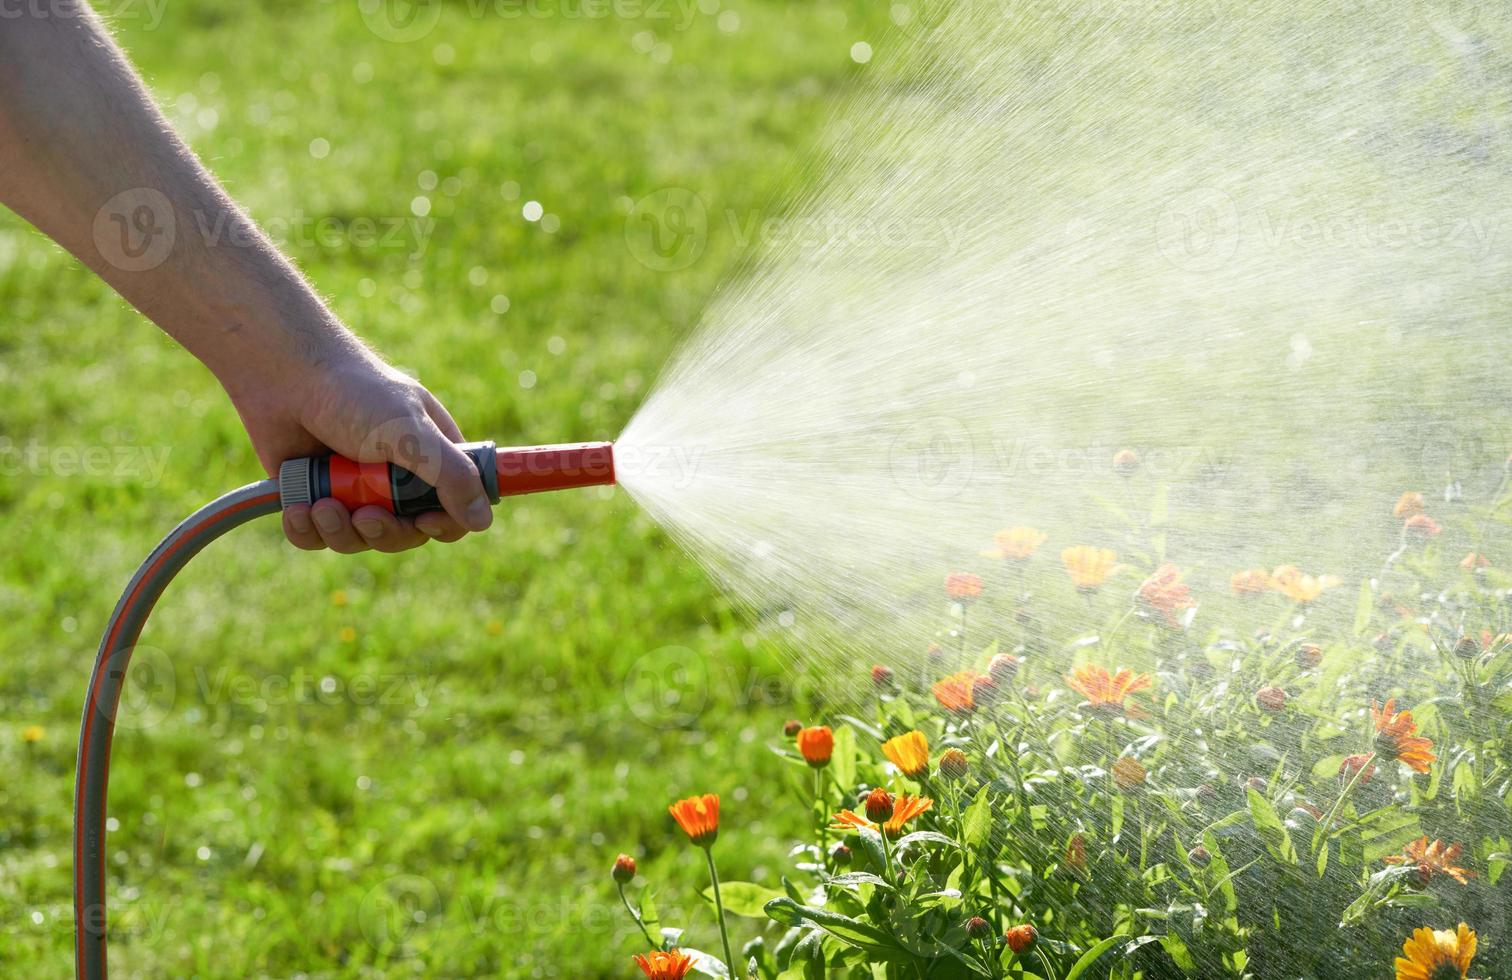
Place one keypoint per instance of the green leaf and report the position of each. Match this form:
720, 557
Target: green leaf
709, 966
648, 913
842, 927
1363, 609
976, 822
1270, 828
1090, 956
858, 878
743, 898
924, 836
843, 760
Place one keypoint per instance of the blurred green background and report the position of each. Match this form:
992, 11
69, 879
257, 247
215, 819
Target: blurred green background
419, 764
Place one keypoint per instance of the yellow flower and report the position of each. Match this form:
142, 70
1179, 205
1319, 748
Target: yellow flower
1017, 542
1088, 566
1437, 954
339, 597
1251, 581
347, 634
909, 752
1291, 582
32, 733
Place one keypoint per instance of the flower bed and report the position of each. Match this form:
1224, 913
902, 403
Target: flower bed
1135, 795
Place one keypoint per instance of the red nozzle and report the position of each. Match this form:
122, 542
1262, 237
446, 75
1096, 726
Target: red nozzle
531, 469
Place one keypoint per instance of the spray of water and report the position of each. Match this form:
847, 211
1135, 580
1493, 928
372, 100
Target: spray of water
1264, 245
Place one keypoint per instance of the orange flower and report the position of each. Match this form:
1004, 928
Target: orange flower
904, 809
909, 752
1435, 858
1125, 462
1076, 853
1128, 773
1021, 939
1165, 593
1104, 690
963, 587
1017, 542
955, 692
671, 965
1422, 525
1353, 764
1409, 504
1396, 737
698, 816
1437, 954
1298, 587
1088, 566
1473, 561
1251, 581
816, 745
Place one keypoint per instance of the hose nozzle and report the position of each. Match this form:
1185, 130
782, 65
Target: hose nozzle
505, 473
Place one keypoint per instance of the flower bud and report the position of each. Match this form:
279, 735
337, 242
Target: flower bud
816, 745
882, 678
841, 856
1076, 853
1002, 668
1353, 764
1021, 939
1309, 655
792, 727
879, 805
1255, 783
1128, 773
624, 869
1467, 648
978, 928
954, 765
1125, 462
1199, 856
1271, 699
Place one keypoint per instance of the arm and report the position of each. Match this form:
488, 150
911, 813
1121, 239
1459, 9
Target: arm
87, 158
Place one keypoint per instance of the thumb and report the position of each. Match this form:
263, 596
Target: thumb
437, 460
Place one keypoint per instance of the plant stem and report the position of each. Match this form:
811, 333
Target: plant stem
655, 944
1339, 803
724, 933
823, 823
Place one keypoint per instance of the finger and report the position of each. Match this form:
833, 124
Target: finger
335, 527
438, 524
451, 472
385, 532
441, 417
300, 530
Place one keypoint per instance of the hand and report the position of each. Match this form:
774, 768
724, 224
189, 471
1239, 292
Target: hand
367, 411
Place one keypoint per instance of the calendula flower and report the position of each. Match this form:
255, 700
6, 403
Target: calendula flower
1299, 587
671, 965
1353, 764
1165, 593
816, 745
954, 764
339, 597
955, 693
1088, 566
1437, 954
1016, 543
1104, 690
1409, 504
1076, 853
1473, 561
32, 734
909, 752
1309, 655
904, 809
1422, 526
1251, 581
1125, 462
347, 634
792, 727
963, 587
1271, 699
1397, 738
1021, 939
882, 678
878, 805
1432, 858
1128, 773
624, 869
698, 816
978, 928
1199, 856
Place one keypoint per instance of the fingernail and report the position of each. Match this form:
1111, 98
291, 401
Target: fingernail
326, 519
479, 514
368, 527
429, 531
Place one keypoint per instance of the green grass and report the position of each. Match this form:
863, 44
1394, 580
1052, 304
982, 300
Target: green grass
486, 775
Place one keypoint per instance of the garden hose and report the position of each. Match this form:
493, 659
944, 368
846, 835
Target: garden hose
505, 472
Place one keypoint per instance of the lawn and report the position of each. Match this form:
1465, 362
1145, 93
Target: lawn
422, 764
